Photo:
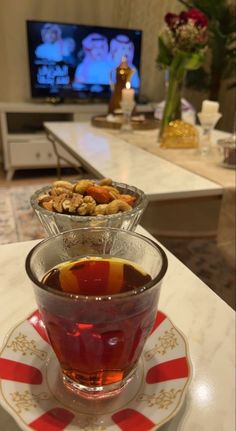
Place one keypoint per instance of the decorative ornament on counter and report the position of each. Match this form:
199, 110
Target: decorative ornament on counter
178, 134
123, 75
208, 117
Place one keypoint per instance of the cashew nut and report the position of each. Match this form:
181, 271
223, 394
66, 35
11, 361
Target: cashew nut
117, 206
100, 209
105, 182
63, 184
82, 186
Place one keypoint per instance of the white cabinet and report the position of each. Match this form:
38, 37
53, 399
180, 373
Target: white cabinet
39, 154
23, 140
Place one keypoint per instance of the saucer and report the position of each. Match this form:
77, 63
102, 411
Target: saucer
32, 392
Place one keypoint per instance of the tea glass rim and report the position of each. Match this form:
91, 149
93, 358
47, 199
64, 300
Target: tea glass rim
90, 298
142, 196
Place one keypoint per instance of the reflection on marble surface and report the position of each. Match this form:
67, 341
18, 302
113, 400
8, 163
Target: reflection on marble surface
203, 393
110, 156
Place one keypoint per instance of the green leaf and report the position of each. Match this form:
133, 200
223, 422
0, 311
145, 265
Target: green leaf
186, 61
164, 54
194, 61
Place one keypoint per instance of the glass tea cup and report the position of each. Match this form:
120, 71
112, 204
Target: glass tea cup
97, 335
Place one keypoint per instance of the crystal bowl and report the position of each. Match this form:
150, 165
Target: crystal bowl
54, 223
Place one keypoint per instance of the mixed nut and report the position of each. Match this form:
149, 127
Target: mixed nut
86, 197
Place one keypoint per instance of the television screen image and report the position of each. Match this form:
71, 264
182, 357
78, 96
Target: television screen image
79, 61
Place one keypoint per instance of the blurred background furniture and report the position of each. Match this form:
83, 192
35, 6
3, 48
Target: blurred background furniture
25, 145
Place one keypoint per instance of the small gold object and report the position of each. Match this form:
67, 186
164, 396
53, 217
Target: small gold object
123, 75
179, 134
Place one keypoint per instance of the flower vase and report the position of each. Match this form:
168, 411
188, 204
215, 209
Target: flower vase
181, 47
172, 110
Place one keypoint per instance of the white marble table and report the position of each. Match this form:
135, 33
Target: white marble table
110, 156
207, 322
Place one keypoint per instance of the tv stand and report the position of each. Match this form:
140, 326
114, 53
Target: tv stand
23, 139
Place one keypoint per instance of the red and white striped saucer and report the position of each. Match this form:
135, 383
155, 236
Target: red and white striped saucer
31, 389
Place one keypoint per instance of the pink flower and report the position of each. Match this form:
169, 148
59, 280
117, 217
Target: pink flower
183, 17
185, 37
172, 20
199, 18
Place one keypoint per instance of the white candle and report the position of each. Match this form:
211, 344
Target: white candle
128, 94
210, 107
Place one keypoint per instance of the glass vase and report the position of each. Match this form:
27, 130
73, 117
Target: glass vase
172, 110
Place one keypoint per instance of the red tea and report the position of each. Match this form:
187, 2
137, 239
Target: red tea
100, 340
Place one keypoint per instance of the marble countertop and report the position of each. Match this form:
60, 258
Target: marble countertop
110, 156
207, 322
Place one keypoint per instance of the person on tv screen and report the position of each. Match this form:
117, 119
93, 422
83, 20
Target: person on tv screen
68, 48
121, 46
54, 47
50, 49
95, 66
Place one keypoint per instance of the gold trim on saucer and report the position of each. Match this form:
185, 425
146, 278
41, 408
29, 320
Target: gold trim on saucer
22, 344
162, 400
26, 400
166, 342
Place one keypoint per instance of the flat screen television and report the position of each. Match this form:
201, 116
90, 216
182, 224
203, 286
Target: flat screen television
73, 61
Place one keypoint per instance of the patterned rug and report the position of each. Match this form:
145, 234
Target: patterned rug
19, 223
203, 257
